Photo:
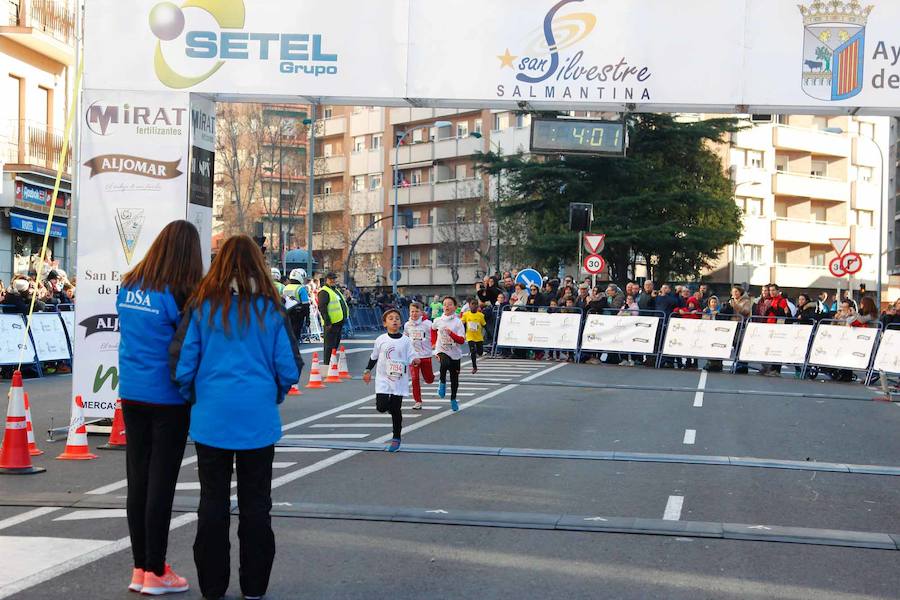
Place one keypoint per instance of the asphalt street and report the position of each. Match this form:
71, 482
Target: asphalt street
530, 491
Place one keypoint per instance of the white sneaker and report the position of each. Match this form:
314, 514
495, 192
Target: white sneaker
417, 406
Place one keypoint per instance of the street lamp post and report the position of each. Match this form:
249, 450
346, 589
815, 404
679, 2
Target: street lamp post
881, 199
395, 256
310, 188
496, 145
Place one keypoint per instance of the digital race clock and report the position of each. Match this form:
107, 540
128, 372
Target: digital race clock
574, 136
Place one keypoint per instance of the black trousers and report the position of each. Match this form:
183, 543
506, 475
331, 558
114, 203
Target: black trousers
212, 546
392, 404
299, 318
476, 349
156, 436
449, 365
332, 339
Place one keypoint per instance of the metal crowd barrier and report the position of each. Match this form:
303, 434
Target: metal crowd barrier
657, 342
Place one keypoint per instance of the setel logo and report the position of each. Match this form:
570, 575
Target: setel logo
297, 53
551, 64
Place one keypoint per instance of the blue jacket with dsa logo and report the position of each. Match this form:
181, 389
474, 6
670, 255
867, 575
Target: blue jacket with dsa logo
147, 323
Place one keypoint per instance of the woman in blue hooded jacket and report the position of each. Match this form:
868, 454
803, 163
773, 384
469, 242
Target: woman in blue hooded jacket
150, 301
235, 357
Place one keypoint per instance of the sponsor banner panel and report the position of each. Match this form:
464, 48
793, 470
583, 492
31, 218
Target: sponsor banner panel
134, 151
888, 357
520, 329
49, 335
203, 160
843, 347
15, 346
699, 338
615, 333
775, 343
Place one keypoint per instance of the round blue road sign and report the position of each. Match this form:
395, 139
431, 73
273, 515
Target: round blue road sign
530, 277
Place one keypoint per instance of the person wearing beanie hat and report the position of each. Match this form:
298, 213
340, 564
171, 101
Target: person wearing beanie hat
19, 296
54, 287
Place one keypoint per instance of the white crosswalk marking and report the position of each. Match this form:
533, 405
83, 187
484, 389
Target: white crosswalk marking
84, 515
385, 416
323, 436
340, 425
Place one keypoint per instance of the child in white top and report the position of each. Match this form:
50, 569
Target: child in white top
451, 336
393, 354
418, 330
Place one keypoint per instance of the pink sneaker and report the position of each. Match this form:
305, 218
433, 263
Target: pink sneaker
137, 580
169, 583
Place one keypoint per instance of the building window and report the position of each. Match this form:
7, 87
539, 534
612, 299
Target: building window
749, 254
781, 164
752, 207
817, 257
754, 159
782, 119
501, 121
462, 129
415, 258
376, 141
864, 218
359, 144
460, 171
819, 213
867, 130
359, 183
818, 168
416, 177
478, 126
374, 182
417, 136
780, 257
865, 174
326, 188
820, 123
417, 218
521, 120
329, 112
328, 150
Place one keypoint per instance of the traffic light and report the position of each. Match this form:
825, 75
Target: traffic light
260, 239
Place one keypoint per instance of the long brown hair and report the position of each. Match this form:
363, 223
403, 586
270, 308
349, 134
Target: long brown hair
867, 307
238, 267
174, 260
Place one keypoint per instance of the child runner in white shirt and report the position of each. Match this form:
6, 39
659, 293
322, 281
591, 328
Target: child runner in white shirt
451, 335
393, 354
418, 330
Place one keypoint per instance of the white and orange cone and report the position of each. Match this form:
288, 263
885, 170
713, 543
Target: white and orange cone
333, 376
315, 377
14, 456
294, 391
117, 438
77, 443
343, 370
33, 450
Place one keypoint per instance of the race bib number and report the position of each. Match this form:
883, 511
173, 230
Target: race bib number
417, 335
473, 326
395, 370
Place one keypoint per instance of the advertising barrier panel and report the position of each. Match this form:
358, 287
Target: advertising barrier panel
780, 343
843, 347
538, 330
698, 338
620, 333
887, 358
49, 335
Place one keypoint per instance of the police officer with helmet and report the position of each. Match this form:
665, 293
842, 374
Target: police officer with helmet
296, 297
334, 310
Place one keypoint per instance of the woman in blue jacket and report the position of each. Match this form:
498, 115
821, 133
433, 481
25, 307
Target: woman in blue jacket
149, 303
235, 357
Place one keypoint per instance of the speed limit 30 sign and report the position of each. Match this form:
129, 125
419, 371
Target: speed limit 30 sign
594, 264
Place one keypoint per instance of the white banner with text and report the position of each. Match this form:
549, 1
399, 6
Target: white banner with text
887, 358
620, 333
699, 338
843, 347
521, 329
775, 343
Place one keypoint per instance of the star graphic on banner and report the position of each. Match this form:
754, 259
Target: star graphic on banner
506, 59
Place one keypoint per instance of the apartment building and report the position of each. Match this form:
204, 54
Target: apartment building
802, 181
37, 54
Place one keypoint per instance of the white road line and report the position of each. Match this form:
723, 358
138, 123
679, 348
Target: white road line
673, 508
125, 542
406, 414
341, 425
85, 515
122, 483
351, 351
701, 386
27, 516
434, 394
187, 486
690, 435
375, 416
324, 436
289, 449
283, 465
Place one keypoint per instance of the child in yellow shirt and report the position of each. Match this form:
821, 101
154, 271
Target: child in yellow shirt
473, 319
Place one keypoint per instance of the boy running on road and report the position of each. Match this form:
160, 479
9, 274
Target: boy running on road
451, 335
475, 326
418, 330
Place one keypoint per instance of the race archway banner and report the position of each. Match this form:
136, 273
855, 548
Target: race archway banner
641, 55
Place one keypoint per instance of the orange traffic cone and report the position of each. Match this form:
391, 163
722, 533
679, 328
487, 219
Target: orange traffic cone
315, 377
294, 391
343, 371
333, 369
14, 456
77, 443
33, 450
117, 432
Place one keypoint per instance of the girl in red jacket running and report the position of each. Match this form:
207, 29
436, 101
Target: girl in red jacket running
451, 336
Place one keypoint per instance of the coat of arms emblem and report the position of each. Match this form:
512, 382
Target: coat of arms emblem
834, 36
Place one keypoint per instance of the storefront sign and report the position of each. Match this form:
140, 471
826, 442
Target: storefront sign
37, 226
33, 194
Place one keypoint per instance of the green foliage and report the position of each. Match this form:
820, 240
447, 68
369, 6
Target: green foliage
669, 201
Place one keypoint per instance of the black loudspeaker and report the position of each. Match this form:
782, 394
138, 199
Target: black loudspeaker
581, 215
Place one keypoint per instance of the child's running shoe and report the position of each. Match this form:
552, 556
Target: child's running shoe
454, 405
442, 390
394, 445
474, 370
137, 580
417, 406
169, 583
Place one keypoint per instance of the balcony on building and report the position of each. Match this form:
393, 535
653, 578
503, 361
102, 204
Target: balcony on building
511, 140
805, 186
371, 241
332, 126
458, 189
45, 26
327, 165
808, 232
865, 196
32, 145
416, 236
370, 201
412, 115
865, 152
328, 240
416, 193
324, 203
864, 240
414, 154
451, 147
810, 140
367, 120
368, 161
272, 175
